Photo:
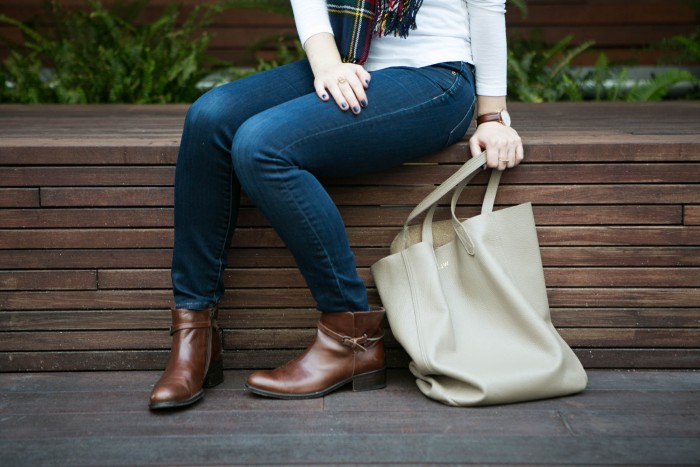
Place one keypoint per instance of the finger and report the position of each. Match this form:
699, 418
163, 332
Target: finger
519, 153
359, 92
321, 91
349, 95
503, 158
364, 77
338, 95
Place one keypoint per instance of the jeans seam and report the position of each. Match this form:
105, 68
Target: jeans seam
317, 238
222, 249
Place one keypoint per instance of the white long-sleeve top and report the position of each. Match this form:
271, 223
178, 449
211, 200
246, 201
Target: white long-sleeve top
471, 31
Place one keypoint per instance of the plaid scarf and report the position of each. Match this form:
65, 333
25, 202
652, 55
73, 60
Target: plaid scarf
354, 23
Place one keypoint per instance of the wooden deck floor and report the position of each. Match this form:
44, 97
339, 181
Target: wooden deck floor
100, 418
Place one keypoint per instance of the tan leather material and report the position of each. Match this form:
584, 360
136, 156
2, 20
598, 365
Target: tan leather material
195, 354
347, 346
467, 301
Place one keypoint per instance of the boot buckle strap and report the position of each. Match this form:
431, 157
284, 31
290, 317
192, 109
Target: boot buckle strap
355, 343
180, 327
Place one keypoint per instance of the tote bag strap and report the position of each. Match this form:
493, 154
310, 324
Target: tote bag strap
471, 167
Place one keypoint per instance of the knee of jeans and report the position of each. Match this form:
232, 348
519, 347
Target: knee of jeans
210, 113
255, 149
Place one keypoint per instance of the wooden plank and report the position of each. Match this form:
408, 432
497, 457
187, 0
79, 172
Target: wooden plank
631, 338
80, 259
156, 359
624, 297
691, 215
87, 176
48, 280
626, 317
622, 277
294, 318
265, 278
263, 339
332, 448
86, 218
84, 340
537, 194
95, 197
280, 257
365, 237
272, 298
19, 197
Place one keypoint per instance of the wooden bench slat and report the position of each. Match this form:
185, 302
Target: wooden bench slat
291, 318
300, 297
264, 278
353, 216
48, 280
280, 257
262, 339
19, 198
358, 236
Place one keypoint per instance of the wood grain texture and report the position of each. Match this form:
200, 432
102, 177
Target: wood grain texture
86, 235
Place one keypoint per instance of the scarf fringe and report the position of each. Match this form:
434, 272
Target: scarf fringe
396, 17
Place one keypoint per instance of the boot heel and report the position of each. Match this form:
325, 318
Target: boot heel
215, 375
370, 381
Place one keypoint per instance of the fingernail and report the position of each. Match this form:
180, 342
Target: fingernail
343, 105
364, 103
356, 109
367, 81
324, 97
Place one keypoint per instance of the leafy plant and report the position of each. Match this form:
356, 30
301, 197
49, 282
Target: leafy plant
539, 72
105, 55
615, 84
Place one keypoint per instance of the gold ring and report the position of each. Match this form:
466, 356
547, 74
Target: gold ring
341, 80
503, 160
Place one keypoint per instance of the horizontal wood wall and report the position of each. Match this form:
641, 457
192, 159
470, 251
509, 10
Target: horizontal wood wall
623, 29
86, 231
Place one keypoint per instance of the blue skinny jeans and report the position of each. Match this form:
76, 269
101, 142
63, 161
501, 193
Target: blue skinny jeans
270, 135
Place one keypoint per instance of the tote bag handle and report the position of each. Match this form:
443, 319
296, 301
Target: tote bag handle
457, 182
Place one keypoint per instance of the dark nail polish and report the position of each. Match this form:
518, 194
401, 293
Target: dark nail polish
367, 81
364, 103
343, 105
356, 109
324, 97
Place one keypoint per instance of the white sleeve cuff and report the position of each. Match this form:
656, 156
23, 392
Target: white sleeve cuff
311, 18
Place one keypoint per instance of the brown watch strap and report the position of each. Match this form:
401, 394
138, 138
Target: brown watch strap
489, 117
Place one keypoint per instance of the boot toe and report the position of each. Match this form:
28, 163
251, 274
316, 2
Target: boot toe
262, 380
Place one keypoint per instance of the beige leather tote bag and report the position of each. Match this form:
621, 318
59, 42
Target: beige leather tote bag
467, 301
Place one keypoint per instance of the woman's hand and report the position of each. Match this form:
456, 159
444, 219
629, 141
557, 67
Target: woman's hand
502, 144
344, 82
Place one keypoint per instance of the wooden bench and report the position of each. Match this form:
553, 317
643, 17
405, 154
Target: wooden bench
86, 231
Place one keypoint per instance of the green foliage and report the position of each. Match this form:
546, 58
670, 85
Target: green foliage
610, 83
539, 72
104, 55
684, 49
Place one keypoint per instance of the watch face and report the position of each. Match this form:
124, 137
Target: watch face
505, 117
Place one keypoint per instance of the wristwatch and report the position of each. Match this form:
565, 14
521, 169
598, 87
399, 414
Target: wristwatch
502, 117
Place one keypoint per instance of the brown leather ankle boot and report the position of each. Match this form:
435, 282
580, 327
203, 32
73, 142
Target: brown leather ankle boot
349, 347
195, 360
